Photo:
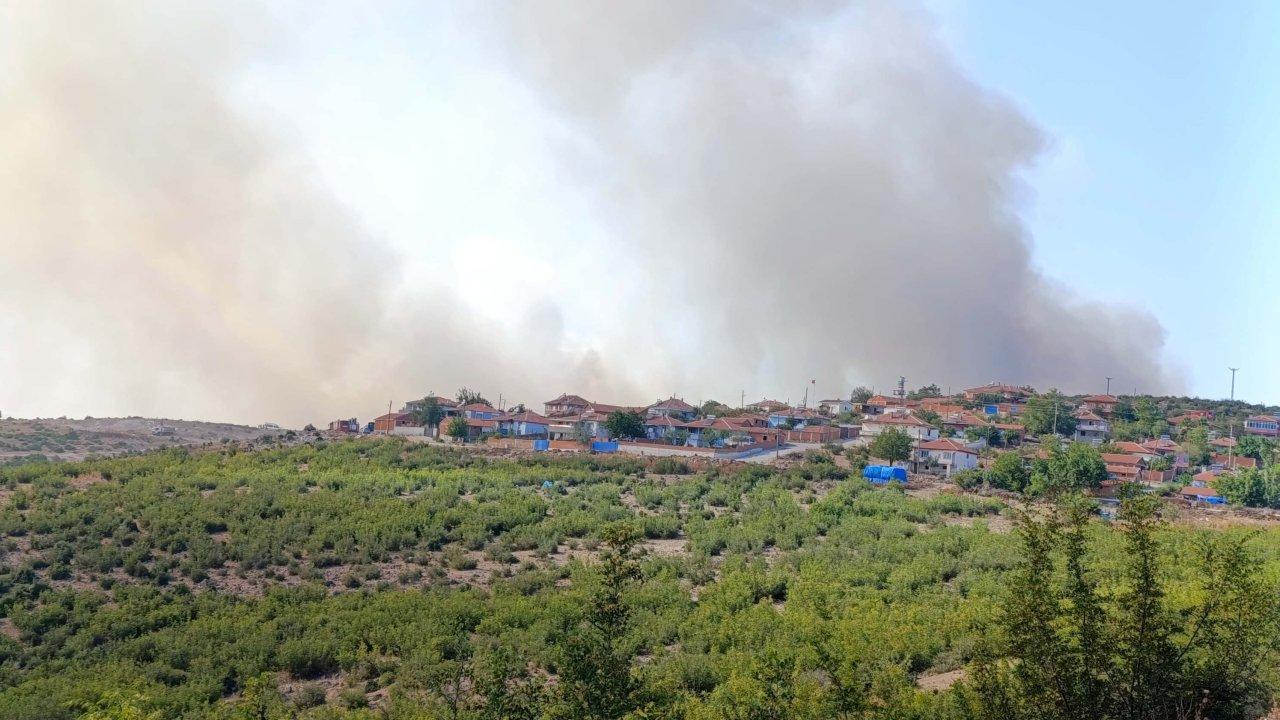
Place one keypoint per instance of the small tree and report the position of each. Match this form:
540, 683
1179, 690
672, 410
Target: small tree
592, 655
860, 394
582, 434
623, 424
712, 437
893, 445
676, 436
1009, 472
457, 428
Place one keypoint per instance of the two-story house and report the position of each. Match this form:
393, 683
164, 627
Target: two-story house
913, 426
672, 407
949, 454
1265, 425
1090, 427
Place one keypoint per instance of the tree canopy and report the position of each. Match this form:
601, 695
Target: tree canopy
891, 444
1049, 414
625, 424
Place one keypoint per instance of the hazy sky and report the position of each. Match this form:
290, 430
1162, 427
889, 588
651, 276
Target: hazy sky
303, 211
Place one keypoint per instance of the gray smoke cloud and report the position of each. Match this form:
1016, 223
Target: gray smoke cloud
164, 255
808, 190
828, 194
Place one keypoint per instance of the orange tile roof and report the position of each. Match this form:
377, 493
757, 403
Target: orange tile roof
1198, 491
1101, 399
1120, 459
947, 444
907, 419
1235, 461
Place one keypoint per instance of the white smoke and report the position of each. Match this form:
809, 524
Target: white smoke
813, 190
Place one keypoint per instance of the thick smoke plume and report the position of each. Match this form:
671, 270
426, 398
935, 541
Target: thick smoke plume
163, 255
824, 191
809, 190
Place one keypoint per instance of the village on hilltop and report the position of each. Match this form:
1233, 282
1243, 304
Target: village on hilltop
1145, 440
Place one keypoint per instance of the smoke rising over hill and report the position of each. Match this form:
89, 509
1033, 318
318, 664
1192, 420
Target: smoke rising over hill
805, 193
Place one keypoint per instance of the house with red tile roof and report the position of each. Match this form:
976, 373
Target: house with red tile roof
479, 411
1264, 425
1123, 467
565, 404
672, 407
1201, 493
399, 423
949, 454
766, 406
1090, 426
523, 424
1223, 443
1104, 405
1234, 462
913, 426
665, 427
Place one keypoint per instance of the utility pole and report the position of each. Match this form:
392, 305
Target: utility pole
1231, 420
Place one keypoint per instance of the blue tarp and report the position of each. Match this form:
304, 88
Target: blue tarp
881, 474
603, 446
540, 445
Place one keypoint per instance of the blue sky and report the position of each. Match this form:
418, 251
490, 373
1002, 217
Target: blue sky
1159, 188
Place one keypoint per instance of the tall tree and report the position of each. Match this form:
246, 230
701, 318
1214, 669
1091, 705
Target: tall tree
892, 444
1145, 680
860, 394
428, 412
467, 396
1074, 466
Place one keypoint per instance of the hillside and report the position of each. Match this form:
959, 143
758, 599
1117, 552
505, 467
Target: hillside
68, 439
322, 579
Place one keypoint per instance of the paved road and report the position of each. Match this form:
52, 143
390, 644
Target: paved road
765, 457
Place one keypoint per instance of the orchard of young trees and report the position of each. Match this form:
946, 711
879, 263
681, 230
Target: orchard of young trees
374, 578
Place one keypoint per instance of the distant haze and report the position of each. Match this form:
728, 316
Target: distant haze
774, 195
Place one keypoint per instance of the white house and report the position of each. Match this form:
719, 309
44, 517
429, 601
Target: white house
1090, 427
836, 407
951, 455
913, 426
